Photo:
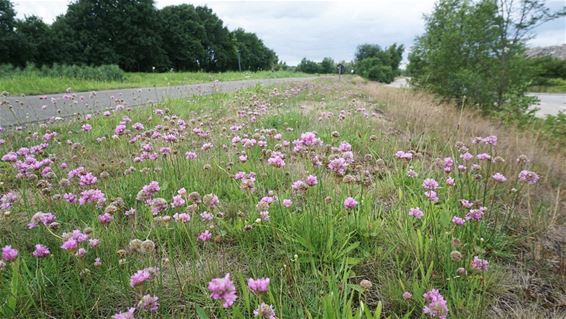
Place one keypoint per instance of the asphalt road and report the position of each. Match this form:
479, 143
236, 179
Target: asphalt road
22, 110
549, 103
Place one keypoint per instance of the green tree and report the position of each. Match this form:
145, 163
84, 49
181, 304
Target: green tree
327, 66
254, 55
377, 64
8, 37
308, 66
183, 36
36, 40
476, 49
220, 52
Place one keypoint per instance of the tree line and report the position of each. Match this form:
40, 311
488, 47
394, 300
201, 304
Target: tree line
134, 35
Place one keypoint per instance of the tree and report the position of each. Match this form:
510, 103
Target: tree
379, 64
327, 66
183, 36
308, 66
36, 41
220, 52
476, 49
254, 55
8, 38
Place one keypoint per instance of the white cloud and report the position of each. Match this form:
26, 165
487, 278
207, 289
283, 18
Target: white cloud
315, 29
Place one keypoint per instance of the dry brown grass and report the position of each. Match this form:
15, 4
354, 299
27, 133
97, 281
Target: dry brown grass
543, 261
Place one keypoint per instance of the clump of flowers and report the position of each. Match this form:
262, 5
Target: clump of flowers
223, 289
479, 264
437, 306
259, 285
350, 203
528, 177
9, 253
416, 212
141, 276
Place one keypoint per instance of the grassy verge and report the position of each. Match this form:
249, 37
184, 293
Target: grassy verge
18, 84
350, 243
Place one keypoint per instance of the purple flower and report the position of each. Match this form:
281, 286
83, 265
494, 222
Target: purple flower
205, 236
70, 244
9, 254
105, 218
287, 203
479, 264
416, 212
265, 311
125, 315
259, 285
40, 251
149, 303
223, 288
139, 277
350, 203
407, 295
456, 220
430, 184
528, 177
437, 307
498, 177
311, 180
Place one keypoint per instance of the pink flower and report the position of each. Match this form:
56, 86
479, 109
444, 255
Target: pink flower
456, 220
9, 253
105, 218
86, 127
140, 277
479, 264
411, 173
259, 285
149, 303
350, 203
70, 244
407, 295
223, 288
498, 177
432, 196
265, 311
182, 218
205, 236
528, 177
40, 251
450, 181
430, 184
287, 203
125, 315
437, 307
311, 180
416, 212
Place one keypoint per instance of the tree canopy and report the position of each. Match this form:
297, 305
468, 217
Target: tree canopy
377, 64
475, 50
133, 34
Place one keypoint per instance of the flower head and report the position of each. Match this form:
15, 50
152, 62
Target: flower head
223, 288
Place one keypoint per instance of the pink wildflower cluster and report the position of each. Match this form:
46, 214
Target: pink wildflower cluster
437, 307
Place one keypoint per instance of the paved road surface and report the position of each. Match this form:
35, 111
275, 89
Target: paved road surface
550, 103
17, 111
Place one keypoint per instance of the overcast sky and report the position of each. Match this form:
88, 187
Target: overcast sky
315, 29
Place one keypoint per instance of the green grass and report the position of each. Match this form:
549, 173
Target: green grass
29, 83
316, 252
554, 86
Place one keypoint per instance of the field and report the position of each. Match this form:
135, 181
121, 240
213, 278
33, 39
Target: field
32, 83
353, 199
